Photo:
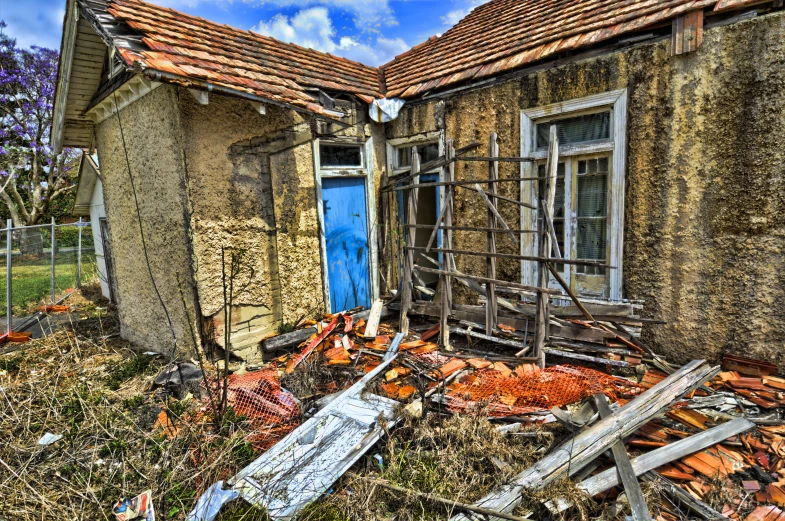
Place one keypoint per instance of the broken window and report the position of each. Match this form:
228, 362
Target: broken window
588, 210
428, 152
340, 156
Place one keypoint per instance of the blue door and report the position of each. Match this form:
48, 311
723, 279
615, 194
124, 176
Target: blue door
346, 238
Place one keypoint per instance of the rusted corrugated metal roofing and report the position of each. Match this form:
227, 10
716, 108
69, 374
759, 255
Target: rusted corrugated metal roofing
503, 35
197, 49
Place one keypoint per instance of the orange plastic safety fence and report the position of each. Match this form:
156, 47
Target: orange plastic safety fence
489, 392
271, 411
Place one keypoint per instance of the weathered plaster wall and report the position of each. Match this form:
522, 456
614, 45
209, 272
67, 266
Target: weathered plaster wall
251, 190
705, 203
150, 127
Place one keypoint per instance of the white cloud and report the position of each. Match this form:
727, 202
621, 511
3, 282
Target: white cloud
456, 15
314, 28
368, 15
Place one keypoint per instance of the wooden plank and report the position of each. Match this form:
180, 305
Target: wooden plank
372, 326
496, 213
482, 279
640, 510
439, 162
647, 462
467, 228
543, 303
408, 255
437, 226
502, 198
566, 287
584, 358
489, 338
447, 258
470, 182
491, 305
576, 453
517, 257
687, 32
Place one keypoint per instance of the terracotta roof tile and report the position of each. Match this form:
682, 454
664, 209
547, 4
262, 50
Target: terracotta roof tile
497, 37
502, 35
194, 48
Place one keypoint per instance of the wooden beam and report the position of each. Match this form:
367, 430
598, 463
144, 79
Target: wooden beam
502, 198
408, 254
491, 304
543, 303
447, 258
470, 182
517, 257
662, 456
259, 107
484, 279
640, 510
496, 213
576, 453
202, 97
466, 228
489, 338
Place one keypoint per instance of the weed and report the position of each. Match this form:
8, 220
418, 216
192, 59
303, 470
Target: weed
244, 454
133, 403
133, 367
116, 448
12, 365
243, 512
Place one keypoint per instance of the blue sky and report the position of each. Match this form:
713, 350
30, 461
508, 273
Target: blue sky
369, 31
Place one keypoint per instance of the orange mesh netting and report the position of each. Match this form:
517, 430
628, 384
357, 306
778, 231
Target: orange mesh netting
495, 395
272, 411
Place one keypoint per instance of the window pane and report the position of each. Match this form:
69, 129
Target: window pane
579, 129
592, 239
340, 155
592, 211
558, 206
592, 195
428, 152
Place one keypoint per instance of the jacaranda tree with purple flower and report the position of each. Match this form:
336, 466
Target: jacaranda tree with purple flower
32, 176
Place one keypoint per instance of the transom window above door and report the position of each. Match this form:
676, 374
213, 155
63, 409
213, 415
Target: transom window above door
345, 156
588, 215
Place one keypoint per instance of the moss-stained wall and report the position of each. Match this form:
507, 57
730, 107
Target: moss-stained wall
150, 127
214, 181
705, 195
251, 190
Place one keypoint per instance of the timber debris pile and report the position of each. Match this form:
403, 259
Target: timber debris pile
350, 419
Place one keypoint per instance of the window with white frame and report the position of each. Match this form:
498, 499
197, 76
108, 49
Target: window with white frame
343, 156
589, 206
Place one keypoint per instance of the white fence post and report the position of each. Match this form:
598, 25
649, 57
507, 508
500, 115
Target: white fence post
79, 257
54, 248
9, 236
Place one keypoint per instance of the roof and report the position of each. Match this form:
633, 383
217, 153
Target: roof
153, 38
503, 35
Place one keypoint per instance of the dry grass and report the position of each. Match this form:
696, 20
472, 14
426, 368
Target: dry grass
86, 384
460, 458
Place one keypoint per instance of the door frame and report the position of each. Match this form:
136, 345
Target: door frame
366, 171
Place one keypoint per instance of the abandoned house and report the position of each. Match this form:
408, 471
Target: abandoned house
670, 117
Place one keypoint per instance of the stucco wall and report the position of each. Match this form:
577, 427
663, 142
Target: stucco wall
150, 127
705, 210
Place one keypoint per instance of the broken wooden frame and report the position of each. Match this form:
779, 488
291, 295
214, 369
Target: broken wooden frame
495, 224
575, 454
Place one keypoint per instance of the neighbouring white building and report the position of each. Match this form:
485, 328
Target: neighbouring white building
89, 202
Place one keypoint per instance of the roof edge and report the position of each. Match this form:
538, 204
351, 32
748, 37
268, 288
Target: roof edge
67, 45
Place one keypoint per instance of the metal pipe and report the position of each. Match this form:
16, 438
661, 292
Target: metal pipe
54, 248
9, 237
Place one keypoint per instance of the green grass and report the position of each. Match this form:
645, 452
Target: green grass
32, 279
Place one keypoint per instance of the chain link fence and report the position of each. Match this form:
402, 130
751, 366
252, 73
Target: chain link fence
41, 265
